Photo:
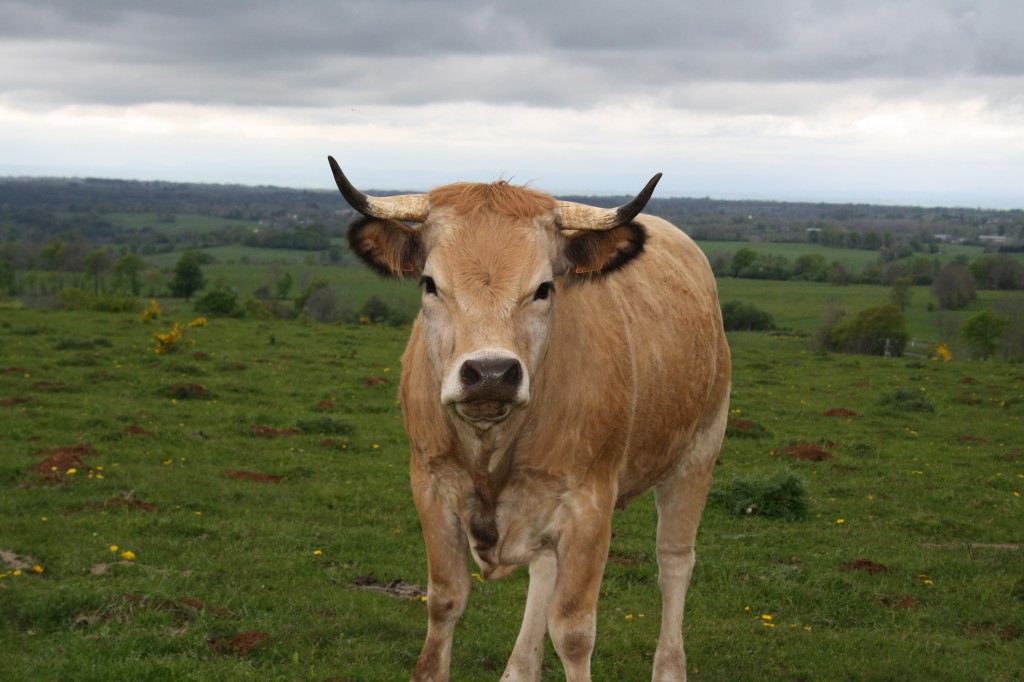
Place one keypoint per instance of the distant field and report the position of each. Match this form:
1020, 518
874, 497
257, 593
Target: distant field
799, 305
858, 259
182, 222
239, 510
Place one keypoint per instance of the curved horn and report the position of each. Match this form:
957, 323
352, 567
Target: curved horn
573, 216
412, 207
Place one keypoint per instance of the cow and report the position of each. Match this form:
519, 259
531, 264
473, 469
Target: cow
566, 359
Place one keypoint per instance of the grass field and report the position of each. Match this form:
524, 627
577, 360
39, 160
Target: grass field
258, 479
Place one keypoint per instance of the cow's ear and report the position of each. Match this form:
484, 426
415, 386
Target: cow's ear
391, 248
595, 253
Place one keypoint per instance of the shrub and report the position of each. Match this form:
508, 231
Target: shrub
875, 331
982, 332
219, 303
738, 316
906, 400
780, 496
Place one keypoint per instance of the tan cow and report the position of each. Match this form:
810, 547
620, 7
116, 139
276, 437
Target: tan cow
566, 359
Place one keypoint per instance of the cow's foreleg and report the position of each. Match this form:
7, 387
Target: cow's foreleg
528, 656
680, 500
448, 582
582, 553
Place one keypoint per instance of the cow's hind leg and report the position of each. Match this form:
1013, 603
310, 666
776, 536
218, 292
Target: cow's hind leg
680, 499
528, 656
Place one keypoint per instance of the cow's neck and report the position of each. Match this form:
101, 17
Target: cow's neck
487, 456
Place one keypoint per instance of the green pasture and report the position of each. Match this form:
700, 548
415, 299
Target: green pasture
257, 475
182, 222
799, 306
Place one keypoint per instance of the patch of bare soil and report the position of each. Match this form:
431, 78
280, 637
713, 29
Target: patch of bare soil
623, 560
903, 603
135, 430
807, 452
973, 439
16, 562
1006, 633
325, 406
865, 565
17, 400
126, 606
370, 382
252, 476
268, 432
396, 588
239, 645
54, 468
126, 503
187, 391
841, 412
8, 371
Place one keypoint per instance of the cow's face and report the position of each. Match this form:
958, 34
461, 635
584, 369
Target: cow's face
492, 262
488, 292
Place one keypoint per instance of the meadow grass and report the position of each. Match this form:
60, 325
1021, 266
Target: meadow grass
258, 476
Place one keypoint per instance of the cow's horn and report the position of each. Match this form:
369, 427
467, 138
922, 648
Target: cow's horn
573, 216
412, 207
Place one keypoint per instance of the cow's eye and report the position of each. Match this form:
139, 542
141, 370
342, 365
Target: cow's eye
543, 291
428, 285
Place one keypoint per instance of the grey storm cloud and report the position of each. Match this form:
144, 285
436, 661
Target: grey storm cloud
539, 53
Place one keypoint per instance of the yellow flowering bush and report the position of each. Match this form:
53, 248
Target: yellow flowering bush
943, 353
151, 312
167, 342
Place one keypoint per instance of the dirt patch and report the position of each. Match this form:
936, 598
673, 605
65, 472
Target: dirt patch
187, 391
396, 588
903, 603
61, 463
968, 380
623, 560
126, 503
268, 432
18, 400
1006, 633
8, 371
334, 443
370, 382
744, 428
48, 387
239, 645
846, 470
974, 439
807, 452
841, 412
865, 565
1014, 455
252, 476
135, 430
325, 406
16, 562
126, 606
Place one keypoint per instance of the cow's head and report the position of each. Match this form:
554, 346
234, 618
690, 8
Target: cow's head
491, 260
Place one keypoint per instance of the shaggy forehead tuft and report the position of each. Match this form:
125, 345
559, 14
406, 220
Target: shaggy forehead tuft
512, 201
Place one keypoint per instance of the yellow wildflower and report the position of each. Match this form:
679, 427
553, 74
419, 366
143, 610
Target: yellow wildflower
128, 555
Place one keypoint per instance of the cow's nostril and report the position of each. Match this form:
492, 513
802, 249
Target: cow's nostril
514, 374
469, 373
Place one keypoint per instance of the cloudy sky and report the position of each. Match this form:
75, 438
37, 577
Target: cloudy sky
901, 101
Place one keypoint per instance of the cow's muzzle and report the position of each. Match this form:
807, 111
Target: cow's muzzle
487, 386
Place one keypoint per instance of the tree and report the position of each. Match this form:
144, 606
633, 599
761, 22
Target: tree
982, 332
954, 287
188, 276
97, 263
902, 292
126, 273
875, 331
